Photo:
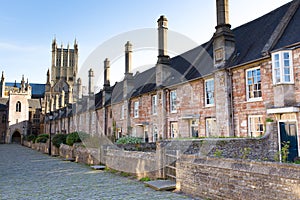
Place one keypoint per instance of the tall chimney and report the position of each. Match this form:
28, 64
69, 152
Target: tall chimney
224, 42
106, 73
163, 57
91, 82
222, 12
223, 49
128, 55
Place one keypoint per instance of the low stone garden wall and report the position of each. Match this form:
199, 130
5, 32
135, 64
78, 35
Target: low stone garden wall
144, 147
42, 147
66, 151
264, 149
140, 164
223, 178
80, 154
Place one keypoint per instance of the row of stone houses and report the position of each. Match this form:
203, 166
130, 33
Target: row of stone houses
227, 87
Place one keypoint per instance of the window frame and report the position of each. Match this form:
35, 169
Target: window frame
206, 93
174, 130
281, 67
18, 106
250, 99
173, 101
154, 104
250, 126
136, 105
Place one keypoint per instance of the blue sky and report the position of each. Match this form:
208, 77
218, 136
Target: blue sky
28, 26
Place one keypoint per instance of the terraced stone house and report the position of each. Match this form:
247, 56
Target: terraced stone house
229, 86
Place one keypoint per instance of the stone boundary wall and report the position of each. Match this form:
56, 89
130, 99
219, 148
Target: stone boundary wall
79, 153
76, 152
66, 151
223, 178
87, 156
42, 147
145, 147
264, 148
141, 164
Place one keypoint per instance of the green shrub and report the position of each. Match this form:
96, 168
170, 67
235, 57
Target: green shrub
59, 139
30, 137
129, 140
42, 138
285, 151
72, 138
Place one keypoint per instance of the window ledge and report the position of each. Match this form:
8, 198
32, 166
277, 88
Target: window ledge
209, 105
254, 100
283, 83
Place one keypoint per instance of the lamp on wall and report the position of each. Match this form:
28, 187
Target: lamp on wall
50, 117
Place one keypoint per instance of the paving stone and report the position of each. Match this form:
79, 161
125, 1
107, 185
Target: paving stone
28, 175
161, 185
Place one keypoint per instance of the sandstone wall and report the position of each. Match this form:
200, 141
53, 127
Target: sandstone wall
141, 164
219, 178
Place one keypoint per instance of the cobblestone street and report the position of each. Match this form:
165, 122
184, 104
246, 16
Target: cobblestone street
27, 174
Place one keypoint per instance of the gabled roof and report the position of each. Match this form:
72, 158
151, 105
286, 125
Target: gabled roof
251, 37
251, 40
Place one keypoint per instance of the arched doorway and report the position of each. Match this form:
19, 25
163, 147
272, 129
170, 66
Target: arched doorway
16, 138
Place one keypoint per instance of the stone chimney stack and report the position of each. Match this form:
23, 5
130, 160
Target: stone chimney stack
91, 82
224, 42
163, 57
128, 80
222, 12
106, 73
223, 49
128, 59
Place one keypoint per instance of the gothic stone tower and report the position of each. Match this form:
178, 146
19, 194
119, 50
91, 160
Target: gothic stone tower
61, 81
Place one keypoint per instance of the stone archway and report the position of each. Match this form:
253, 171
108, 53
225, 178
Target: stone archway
16, 137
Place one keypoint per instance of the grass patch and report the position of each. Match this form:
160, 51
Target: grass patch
125, 174
144, 179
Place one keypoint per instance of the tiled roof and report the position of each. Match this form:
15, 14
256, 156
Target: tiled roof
251, 37
250, 40
38, 90
34, 103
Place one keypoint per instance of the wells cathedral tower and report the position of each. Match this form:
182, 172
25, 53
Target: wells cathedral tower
60, 85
